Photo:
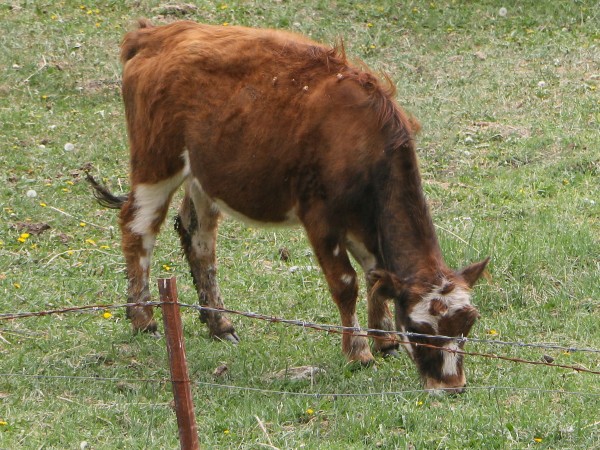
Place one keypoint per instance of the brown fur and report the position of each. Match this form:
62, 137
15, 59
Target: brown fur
275, 124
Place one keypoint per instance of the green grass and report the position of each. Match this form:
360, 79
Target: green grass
511, 165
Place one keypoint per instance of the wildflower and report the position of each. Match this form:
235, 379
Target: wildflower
310, 412
90, 241
419, 403
70, 183
537, 439
502, 12
223, 6
1, 243
82, 224
369, 24
31, 193
225, 24
17, 285
492, 332
166, 267
69, 147
107, 315
3, 423
104, 247
23, 237
226, 431
43, 205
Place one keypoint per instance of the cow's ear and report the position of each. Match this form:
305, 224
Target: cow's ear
384, 284
473, 272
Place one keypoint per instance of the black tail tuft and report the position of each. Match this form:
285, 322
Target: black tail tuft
104, 196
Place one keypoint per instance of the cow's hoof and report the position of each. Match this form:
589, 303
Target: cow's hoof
390, 353
150, 328
229, 337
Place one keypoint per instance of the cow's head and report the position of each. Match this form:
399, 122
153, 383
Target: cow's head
442, 308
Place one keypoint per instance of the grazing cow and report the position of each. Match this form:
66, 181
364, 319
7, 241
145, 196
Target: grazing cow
273, 128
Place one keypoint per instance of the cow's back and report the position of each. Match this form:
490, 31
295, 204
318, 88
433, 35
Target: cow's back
265, 112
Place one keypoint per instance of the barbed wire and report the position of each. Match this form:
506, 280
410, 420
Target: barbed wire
372, 332
333, 395
338, 329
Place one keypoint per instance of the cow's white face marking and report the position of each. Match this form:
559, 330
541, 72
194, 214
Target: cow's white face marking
450, 364
150, 199
456, 299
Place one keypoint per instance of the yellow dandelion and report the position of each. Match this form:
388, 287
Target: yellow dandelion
223, 6
105, 247
82, 224
310, 412
166, 267
225, 24
97, 24
225, 431
17, 285
492, 332
70, 183
53, 17
90, 241
3, 423
538, 439
43, 205
419, 403
89, 11
82, 7
107, 315
23, 237
369, 24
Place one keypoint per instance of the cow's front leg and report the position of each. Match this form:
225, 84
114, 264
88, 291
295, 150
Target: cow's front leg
197, 225
380, 318
343, 284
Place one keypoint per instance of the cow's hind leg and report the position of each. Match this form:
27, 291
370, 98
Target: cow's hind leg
141, 217
197, 225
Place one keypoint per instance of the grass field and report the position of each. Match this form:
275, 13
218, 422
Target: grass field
510, 156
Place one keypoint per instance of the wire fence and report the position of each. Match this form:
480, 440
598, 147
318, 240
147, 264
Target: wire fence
318, 395
338, 329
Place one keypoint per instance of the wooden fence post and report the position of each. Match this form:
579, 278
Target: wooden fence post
182, 393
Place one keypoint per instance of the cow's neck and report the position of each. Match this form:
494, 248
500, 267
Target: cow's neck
407, 240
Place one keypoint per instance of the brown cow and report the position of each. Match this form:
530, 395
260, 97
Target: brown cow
273, 128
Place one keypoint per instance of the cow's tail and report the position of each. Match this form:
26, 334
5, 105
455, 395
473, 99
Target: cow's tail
104, 196
132, 41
